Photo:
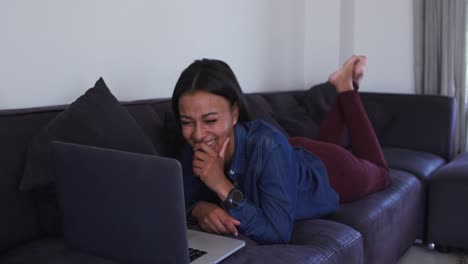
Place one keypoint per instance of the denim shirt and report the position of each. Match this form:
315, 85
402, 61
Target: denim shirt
280, 184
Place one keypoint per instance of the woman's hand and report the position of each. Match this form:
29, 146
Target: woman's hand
209, 167
214, 219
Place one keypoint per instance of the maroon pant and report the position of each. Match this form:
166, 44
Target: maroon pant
351, 174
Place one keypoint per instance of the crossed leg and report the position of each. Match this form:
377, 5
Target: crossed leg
351, 174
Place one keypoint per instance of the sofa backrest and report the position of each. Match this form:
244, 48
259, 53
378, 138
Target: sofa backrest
424, 123
18, 210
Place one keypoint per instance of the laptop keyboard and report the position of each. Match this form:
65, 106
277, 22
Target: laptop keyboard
195, 253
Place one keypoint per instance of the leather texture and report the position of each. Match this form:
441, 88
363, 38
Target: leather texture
419, 122
448, 196
96, 118
387, 220
422, 165
376, 229
313, 241
50, 250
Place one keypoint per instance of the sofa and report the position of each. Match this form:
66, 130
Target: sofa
416, 133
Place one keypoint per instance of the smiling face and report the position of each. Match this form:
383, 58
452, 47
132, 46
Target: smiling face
208, 118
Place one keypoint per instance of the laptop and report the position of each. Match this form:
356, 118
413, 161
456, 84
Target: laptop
129, 207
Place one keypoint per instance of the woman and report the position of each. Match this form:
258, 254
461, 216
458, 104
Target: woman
243, 174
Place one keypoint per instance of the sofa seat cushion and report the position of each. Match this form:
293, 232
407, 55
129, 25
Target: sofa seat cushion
51, 250
420, 164
313, 241
285, 254
387, 220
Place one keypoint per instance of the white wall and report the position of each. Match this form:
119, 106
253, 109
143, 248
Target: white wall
322, 40
51, 51
383, 30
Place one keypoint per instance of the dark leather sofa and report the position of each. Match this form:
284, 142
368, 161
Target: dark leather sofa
416, 133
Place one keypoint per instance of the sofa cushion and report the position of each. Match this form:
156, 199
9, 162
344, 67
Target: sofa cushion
387, 220
96, 118
150, 122
448, 193
318, 242
290, 114
297, 124
18, 212
420, 164
343, 244
289, 254
381, 118
261, 109
313, 241
421, 122
318, 100
51, 250
170, 134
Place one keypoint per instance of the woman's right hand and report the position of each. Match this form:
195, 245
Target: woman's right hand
214, 219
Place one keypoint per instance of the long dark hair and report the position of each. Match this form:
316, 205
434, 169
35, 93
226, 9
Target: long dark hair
213, 76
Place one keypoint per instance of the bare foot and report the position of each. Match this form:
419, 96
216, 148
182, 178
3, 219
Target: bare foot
359, 69
351, 72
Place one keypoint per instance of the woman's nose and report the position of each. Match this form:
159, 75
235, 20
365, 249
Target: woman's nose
198, 134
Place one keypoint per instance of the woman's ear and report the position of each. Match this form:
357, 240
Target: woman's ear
235, 113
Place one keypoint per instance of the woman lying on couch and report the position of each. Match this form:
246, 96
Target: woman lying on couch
245, 174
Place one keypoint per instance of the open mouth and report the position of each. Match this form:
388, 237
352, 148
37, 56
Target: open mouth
211, 143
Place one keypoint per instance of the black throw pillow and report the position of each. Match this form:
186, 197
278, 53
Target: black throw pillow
96, 119
297, 124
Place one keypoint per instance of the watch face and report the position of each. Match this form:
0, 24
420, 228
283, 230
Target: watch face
237, 197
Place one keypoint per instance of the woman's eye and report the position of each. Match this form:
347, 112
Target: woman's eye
185, 123
211, 121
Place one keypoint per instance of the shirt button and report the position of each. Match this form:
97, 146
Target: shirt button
231, 172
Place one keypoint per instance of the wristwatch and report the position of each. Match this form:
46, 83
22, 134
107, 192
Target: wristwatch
234, 198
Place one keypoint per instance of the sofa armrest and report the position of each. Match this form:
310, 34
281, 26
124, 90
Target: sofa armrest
419, 122
447, 214
338, 242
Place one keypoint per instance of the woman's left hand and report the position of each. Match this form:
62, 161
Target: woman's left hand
209, 167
